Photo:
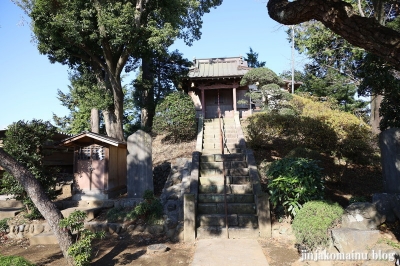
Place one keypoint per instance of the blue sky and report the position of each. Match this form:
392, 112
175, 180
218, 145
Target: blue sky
29, 82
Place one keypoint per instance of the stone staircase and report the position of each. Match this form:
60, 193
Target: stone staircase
225, 191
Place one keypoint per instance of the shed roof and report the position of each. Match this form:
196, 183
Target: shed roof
87, 138
218, 67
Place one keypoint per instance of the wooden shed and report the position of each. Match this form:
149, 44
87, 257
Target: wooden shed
99, 166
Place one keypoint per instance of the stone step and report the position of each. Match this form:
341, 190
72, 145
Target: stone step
90, 212
231, 135
45, 238
222, 157
230, 189
219, 180
204, 171
218, 151
233, 208
11, 203
213, 180
207, 232
226, 165
9, 212
230, 198
242, 220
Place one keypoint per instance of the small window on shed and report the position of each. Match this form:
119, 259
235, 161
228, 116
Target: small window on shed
94, 152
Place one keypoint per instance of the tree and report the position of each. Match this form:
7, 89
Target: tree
36, 193
176, 116
340, 17
265, 79
26, 142
252, 59
108, 36
167, 71
327, 48
83, 98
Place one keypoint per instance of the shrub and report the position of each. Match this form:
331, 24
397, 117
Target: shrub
349, 136
81, 250
3, 225
293, 182
25, 141
313, 125
150, 210
312, 222
301, 152
14, 261
176, 116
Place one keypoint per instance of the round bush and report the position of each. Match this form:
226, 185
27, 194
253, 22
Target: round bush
293, 182
176, 116
312, 222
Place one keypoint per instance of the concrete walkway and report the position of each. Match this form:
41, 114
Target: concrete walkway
232, 252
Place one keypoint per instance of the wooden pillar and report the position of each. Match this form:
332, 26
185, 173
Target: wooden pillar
234, 101
203, 103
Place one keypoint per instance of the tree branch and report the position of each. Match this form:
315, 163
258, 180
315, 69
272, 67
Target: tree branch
339, 17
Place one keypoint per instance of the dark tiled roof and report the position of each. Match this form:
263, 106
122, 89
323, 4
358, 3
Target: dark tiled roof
219, 67
86, 137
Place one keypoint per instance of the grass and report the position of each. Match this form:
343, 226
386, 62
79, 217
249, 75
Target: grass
14, 261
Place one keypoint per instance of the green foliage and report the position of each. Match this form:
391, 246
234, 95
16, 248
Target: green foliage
252, 59
379, 78
14, 261
150, 210
261, 76
26, 142
333, 61
302, 152
166, 72
176, 116
293, 182
81, 250
314, 125
3, 225
312, 222
354, 199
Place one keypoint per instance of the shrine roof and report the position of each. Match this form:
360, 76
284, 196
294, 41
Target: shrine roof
218, 67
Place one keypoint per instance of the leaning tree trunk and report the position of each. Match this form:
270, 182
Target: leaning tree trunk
35, 191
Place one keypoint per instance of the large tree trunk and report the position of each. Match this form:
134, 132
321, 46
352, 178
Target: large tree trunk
375, 118
95, 120
35, 191
148, 109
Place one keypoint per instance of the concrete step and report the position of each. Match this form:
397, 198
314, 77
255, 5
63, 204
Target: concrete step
222, 157
9, 212
204, 171
213, 180
11, 203
207, 232
218, 151
91, 212
233, 208
219, 180
230, 198
45, 238
242, 220
218, 189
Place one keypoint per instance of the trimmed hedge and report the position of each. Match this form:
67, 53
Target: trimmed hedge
314, 126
